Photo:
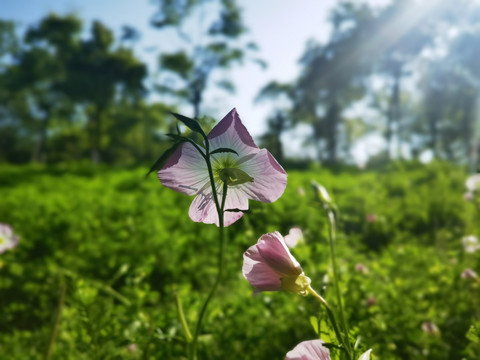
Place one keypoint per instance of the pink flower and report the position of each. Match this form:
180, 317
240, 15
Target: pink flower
362, 269
295, 235
468, 274
371, 218
269, 266
430, 327
309, 350
253, 174
8, 240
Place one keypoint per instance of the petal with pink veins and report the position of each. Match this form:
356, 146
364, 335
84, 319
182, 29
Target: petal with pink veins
185, 171
309, 350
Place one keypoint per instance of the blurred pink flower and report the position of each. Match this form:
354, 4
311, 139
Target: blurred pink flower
469, 274
371, 218
309, 350
132, 348
269, 266
253, 174
294, 236
430, 327
468, 196
8, 240
371, 301
362, 269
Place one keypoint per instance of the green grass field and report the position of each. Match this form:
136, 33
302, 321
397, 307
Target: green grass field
103, 251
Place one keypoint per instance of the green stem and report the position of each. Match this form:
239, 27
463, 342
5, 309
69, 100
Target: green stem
181, 316
343, 323
56, 323
221, 227
330, 316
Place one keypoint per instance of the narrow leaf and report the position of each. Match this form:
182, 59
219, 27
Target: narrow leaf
190, 123
163, 159
178, 137
223, 150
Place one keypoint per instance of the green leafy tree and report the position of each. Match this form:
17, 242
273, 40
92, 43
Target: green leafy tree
97, 74
206, 44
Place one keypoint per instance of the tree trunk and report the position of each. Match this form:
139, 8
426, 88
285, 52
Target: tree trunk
393, 114
40, 151
96, 132
332, 122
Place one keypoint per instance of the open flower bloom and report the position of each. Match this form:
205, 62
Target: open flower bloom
8, 239
269, 266
253, 174
309, 350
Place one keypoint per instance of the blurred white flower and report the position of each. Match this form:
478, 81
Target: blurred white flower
8, 240
473, 183
470, 243
295, 235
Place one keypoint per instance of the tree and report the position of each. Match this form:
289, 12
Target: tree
97, 74
333, 76
204, 50
38, 73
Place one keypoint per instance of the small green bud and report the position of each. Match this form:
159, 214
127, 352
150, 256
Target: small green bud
234, 176
321, 193
296, 283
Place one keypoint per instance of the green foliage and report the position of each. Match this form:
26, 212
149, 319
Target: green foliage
120, 247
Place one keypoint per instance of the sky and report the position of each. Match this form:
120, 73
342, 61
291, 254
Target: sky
280, 28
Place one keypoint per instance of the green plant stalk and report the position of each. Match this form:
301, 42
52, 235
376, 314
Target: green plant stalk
343, 323
56, 323
221, 260
183, 321
330, 315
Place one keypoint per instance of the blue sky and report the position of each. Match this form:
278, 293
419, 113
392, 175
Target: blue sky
281, 29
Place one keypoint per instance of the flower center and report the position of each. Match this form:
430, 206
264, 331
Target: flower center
296, 283
226, 169
2, 240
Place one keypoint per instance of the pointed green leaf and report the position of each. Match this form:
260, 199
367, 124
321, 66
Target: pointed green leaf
190, 123
314, 323
179, 138
164, 158
223, 150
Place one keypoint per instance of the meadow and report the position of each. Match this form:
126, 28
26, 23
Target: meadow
105, 253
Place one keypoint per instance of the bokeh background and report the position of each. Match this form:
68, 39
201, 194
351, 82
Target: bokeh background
377, 100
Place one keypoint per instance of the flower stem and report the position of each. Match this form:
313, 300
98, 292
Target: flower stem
58, 315
343, 323
221, 228
331, 317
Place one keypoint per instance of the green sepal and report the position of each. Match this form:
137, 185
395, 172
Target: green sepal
190, 123
223, 150
164, 158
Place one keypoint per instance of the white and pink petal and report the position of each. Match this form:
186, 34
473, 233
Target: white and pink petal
309, 350
185, 171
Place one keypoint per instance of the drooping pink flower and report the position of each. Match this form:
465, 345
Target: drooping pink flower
309, 350
269, 266
295, 235
8, 240
254, 173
